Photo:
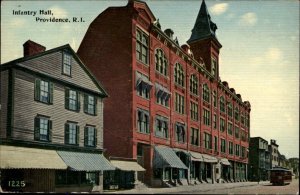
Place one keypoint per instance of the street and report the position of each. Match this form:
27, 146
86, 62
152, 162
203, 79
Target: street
224, 188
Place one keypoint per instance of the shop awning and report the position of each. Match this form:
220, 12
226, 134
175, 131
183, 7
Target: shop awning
12, 157
126, 165
183, 151
196, 156
166, 157
79, 161
209, 159
225, 161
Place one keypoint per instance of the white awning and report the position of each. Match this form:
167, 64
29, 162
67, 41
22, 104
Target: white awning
127, 165
225, 161
12, 157
196, 156
209, 159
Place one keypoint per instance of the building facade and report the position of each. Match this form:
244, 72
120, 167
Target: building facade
274, 156
259, 159
51, 137
168, 107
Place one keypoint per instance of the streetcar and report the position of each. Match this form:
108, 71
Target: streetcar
280, 176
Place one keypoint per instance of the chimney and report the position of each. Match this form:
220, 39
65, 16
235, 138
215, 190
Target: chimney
32, 48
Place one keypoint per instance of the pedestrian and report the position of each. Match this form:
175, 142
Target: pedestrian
258, 178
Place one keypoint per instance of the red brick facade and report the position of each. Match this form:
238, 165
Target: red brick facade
109, 50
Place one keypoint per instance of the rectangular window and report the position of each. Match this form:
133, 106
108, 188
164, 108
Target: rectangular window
161, 127
90, 136
230, 148
143, 121
215, 121
243, 152
42, 129
194, 111
43, 91
229, 129
207, 141
237, 133
90, 104
206, 117
222, 125
180, 132
142, 46
71, 133
72, 100
179, 103
223, 146
216, 143
194, 136
213, 66
237, 150
67, 64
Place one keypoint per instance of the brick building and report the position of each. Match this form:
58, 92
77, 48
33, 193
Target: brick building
168, 107
51, 123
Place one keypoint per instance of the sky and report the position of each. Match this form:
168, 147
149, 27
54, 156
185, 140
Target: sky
259, 57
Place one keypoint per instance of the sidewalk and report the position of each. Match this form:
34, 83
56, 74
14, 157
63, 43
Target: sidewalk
201, 188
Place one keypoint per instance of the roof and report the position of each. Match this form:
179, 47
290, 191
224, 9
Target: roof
79, 161
29, 158
166, 157
64, 47
126, 165
204, 27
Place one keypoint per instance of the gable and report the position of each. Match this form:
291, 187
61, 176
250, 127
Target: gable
52, 64
144, 11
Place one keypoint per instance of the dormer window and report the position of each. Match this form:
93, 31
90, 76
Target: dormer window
66, 64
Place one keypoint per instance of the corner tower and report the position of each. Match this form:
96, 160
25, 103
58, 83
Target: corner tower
204, 43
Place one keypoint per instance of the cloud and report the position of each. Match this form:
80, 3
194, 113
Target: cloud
59, 12
273, 54
248, 19
219, 8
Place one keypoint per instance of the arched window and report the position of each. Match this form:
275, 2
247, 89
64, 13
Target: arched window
205, 94
161, 62
194, 84
222, 104
179, 74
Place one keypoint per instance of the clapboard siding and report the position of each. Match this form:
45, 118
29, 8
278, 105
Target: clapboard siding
26, 109
52, 64
4, 96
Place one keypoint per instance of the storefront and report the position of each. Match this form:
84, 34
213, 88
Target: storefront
208, 168
29, 169
168, 169
41, 170
125, 175
84, 174
225, 169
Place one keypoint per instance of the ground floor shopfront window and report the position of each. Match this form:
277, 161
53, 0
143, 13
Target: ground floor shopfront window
118, 179
76, 178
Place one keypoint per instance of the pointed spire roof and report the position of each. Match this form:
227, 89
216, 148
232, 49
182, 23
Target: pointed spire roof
203, 27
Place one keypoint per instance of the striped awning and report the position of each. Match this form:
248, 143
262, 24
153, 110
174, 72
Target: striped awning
126, 165
209, 159
12, 157
141, 78
79, 161
195, 156
166, 157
